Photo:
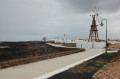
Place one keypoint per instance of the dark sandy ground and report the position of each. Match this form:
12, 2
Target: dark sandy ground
18, 53
110, 70
86, 69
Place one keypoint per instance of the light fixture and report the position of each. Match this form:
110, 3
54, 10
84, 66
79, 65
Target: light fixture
101, 24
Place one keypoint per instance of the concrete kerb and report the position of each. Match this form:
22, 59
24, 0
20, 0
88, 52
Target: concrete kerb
45, 76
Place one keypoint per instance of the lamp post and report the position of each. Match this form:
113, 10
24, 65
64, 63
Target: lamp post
106, 32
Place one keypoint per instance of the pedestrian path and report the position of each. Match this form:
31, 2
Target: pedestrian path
46, 68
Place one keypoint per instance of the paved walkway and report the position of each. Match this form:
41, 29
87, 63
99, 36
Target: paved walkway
47, 68
59, 45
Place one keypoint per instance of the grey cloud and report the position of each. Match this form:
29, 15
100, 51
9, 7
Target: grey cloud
33, 19
79, 5
86, 6
111, 6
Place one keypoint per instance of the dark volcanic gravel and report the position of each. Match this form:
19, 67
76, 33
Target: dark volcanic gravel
86, 69
18, 53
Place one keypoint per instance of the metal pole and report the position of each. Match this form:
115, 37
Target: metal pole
106, 35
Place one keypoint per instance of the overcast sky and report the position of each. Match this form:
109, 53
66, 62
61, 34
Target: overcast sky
33, 19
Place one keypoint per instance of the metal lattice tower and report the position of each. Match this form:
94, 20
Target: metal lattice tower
93, 30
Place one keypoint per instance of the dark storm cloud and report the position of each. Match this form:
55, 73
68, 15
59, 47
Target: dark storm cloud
79, 5
110, 5
86, 6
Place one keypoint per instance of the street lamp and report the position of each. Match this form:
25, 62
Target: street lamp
106, 32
